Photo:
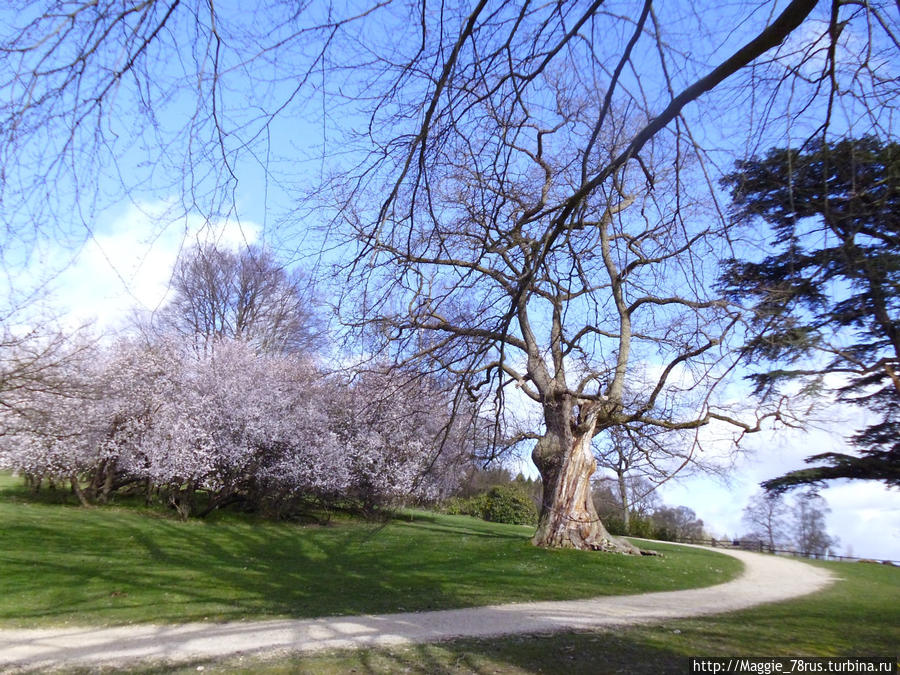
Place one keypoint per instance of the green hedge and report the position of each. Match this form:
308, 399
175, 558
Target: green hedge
501, 504
638, 526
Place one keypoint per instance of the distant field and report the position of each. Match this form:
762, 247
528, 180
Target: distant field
61, 563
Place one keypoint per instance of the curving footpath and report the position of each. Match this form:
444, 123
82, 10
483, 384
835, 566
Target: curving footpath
765, 579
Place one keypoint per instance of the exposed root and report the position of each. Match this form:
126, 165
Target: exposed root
591, 537
612, 544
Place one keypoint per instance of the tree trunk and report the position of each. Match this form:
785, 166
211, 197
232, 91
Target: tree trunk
568, 518
108, 482
93, 488
626, 507
182, 498
33, 481
76, 488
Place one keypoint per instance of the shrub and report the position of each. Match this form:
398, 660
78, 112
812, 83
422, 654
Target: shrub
469, 506
638, 526
509, 504
614, 525
641, 526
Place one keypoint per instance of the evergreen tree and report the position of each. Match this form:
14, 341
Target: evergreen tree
828, 300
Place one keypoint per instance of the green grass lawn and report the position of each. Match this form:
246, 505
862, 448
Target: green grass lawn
61, 564
858, 616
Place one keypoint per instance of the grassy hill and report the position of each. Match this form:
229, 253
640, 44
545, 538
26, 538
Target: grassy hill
64, 564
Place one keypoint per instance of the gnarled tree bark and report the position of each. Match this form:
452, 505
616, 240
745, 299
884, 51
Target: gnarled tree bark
564, 457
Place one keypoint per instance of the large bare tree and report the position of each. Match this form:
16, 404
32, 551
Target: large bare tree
518, 181
245, 295
542, 232
478, 278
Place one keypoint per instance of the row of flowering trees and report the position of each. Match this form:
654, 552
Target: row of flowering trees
228, 424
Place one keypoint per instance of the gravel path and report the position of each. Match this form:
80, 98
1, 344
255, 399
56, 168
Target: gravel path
765, 579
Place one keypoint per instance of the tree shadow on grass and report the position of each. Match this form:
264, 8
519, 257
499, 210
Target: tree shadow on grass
573, 653
790, 629
434, 526
570, 653
114, 566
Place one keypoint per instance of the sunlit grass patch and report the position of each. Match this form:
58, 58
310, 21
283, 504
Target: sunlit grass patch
114, 565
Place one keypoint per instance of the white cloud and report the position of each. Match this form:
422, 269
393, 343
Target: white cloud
865, 515
126, 265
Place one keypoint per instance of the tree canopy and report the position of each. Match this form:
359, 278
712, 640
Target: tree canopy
827, 303
245, 295
202, 429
